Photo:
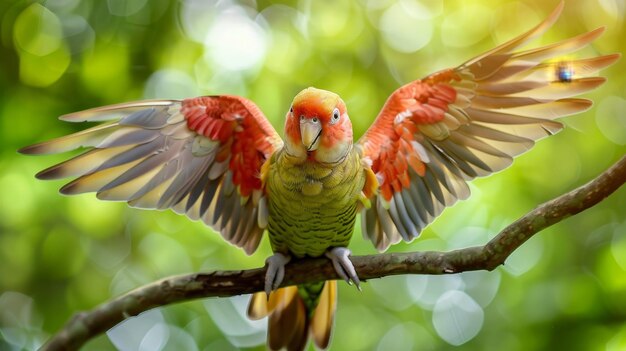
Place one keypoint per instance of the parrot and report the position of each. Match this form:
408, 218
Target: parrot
219, 160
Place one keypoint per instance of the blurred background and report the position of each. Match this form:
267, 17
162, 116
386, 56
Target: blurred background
564, 289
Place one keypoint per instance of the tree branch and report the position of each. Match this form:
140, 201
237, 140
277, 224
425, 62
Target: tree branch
84, 326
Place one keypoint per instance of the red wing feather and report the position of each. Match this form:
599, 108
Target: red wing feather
433, 135
201, 157
247, 138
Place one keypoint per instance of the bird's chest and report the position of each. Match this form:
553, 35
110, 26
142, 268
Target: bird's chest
312, 208
310, 186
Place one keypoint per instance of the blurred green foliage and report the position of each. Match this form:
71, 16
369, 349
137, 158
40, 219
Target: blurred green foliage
564, 289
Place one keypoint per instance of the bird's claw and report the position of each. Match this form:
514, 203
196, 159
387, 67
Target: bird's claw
275, 271
340, 256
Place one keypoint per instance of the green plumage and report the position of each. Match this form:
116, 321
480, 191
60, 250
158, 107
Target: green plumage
312, 206
310, 294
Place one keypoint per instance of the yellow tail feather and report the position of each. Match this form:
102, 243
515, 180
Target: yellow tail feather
290, 323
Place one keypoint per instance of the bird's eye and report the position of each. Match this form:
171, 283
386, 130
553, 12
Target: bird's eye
291, 109
336, 116
314, 119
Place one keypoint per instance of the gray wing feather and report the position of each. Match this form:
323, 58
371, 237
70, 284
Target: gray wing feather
148, 157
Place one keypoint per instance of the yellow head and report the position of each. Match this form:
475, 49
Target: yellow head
317, 127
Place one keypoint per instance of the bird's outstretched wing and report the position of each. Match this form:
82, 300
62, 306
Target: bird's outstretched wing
434, 134
200, 156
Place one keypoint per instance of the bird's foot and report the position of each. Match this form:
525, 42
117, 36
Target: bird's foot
343, 265
275, 271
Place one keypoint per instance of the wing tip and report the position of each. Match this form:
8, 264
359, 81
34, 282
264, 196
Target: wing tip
35, 149
558, 9
109, 112
552, 17
594, 82
584, 104
612, 58
595, 33
85, 116
79, 116
71, 117
587, 107
26, 150
70, 188
49, 174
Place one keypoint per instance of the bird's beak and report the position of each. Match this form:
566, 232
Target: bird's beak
310, 132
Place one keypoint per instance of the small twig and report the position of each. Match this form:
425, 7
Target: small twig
84, 326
